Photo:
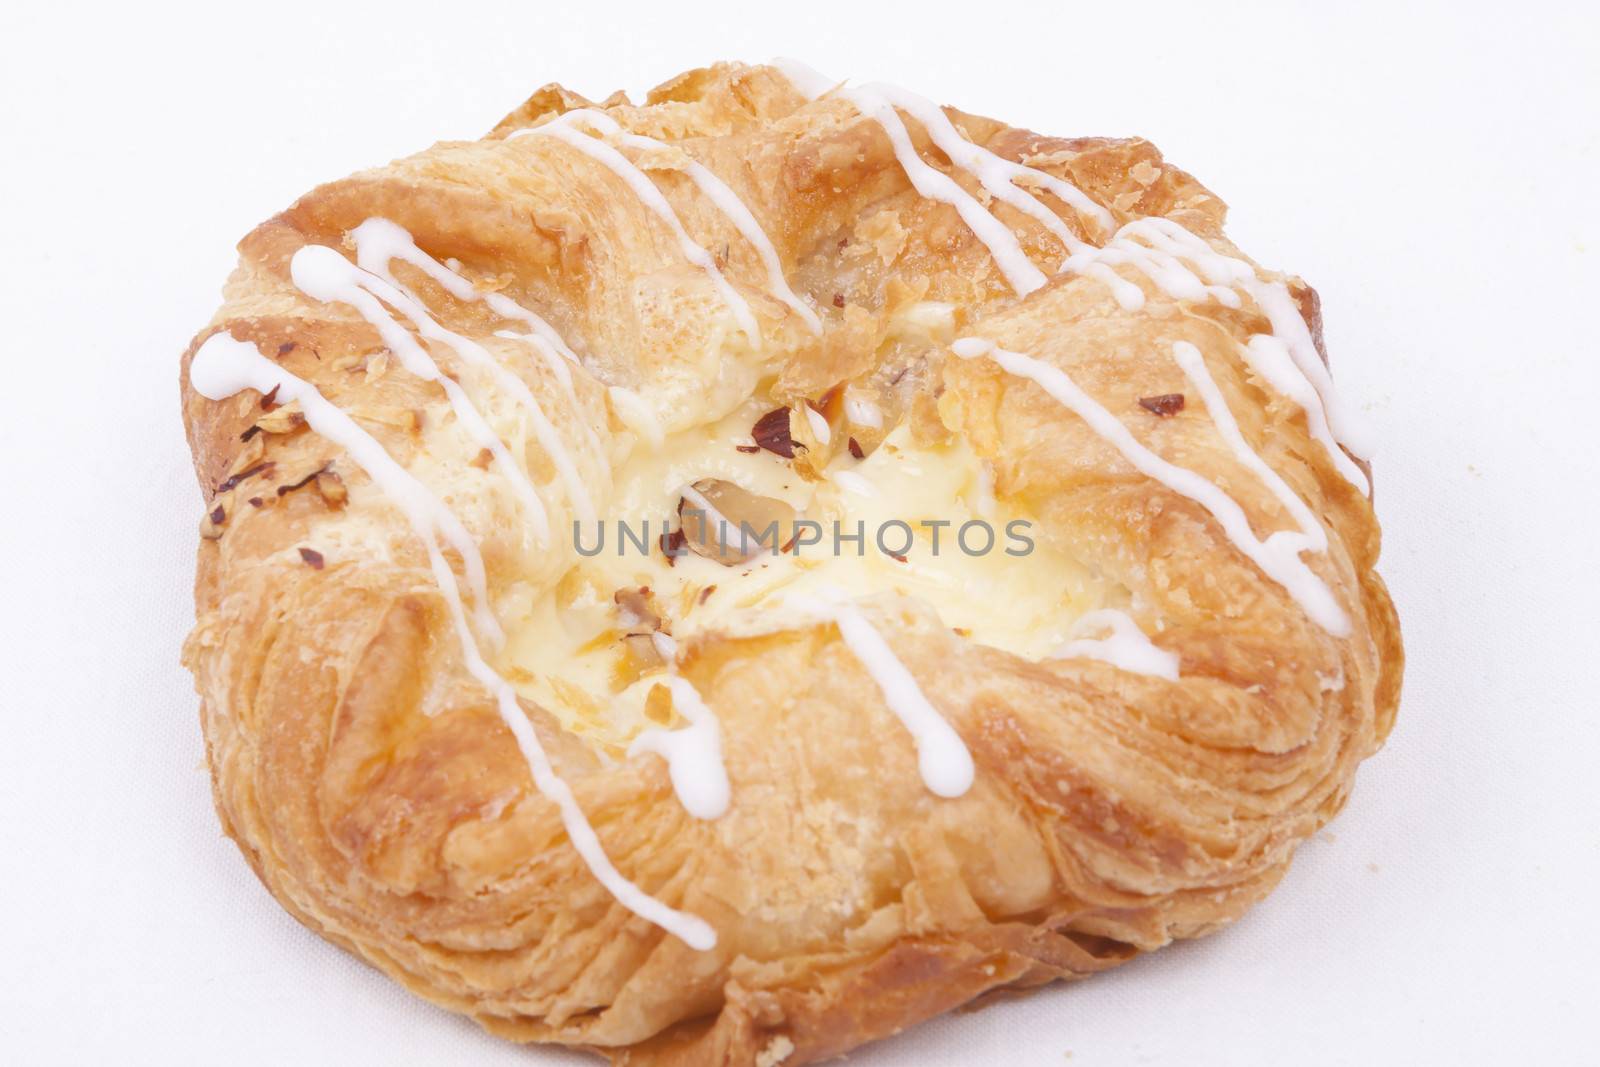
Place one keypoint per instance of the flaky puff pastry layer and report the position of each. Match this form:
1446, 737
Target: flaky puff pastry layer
370, 784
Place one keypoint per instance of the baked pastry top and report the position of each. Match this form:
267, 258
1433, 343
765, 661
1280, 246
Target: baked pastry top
724, 580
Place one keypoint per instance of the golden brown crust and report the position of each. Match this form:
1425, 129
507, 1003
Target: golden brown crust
376, 793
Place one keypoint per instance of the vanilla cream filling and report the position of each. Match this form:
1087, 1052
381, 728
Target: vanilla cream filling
999, 581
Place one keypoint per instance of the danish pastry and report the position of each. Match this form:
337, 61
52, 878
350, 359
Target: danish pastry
724, 580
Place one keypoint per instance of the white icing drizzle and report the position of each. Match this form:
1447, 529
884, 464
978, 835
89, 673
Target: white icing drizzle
1180, 246
726, 200
323, 274
693, 753
808, 83
1277, 557
1146, 244
982, 500
544, 430
1157, 247
1164, 251
564, 129
851, 482
378, 241
942, 757
995, 173
1126, 647
1269, 357
223, 367
1314, 537
934, 184
542, 346
819, 426
862, 411
637, 415
1349, 428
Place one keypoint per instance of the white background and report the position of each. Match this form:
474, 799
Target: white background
1432, 171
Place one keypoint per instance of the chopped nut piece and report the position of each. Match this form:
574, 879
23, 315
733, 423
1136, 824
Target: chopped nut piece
312, 556
1165, 405
210, 525
285, 348
737, 524
813, 441
407, 419
283, 419
249, 472
637, 607
771, 432
248, 457
838, 300
269, 400
855, 449
493, 283
672, 546
331, 486
377, 365
748, 450
288, 487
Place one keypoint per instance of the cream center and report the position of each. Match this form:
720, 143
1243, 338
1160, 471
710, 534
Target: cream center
920, 521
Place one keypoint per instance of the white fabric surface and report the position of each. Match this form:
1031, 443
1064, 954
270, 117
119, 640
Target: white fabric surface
1431, 171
